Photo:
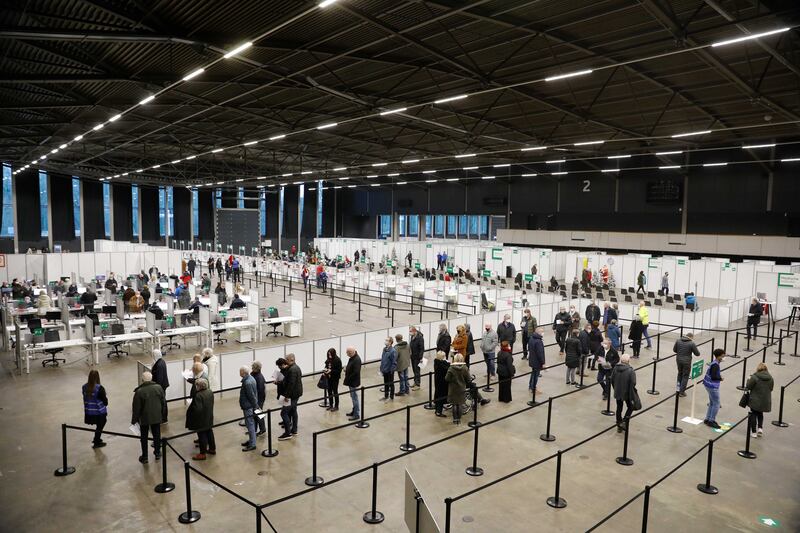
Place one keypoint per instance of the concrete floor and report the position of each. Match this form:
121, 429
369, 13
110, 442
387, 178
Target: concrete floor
111, 491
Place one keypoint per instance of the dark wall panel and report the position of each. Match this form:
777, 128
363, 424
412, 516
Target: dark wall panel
93, 226
290, 208
205, 215
410, 199
149, 225
486, 198
29, 228
62, 210
329, 208
123, 212
230, 198
273, 212
182, 206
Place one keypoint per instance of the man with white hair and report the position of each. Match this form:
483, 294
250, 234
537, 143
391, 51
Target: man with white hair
149, 411
489, 348
352, 379
211, 361
248, 402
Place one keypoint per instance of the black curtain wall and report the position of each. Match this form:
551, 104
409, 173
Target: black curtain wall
93, 226
29, 227
123, 211
205, 215
182, 206
62, 212
148, 225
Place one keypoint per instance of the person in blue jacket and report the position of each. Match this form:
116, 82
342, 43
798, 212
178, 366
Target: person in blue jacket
614, 333
711, 382
388, 368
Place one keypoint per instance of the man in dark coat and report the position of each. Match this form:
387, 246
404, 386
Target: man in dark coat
352, 380
607, 358
149, 411
561, 324
506, 331
200, 418
536, 361
684, 348
417, 344
261, 394
623, 378
592, 313
292, 391
443, 341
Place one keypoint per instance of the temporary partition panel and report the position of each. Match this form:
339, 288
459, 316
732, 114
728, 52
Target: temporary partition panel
356, 341
102, 263
374, 342
177, 383
230, 369
304, 356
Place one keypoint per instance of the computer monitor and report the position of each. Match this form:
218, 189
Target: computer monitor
109, 309
762, 296
53, 315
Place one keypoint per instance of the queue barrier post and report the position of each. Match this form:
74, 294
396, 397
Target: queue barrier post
430, 405
475, 470
674, 427
314, 480
653, 391
746, 453
625, 460
284, 293
779, 422
764, 354
747, 349
488, 386
258, 520
406, 446
796, 336
557, 501
780, 362
392, 317
474, 422
333, 302
164, 486
607, 411
374, 516
190, 516
735, 353
583, 363
707, 487
64, 470
269, 452
547, 436
645, 508
448, 503
362, 424
744, 375
359, 308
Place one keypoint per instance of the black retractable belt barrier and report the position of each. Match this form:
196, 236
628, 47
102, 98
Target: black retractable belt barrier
164, 486
547, 436
361, 423
407, 446
746, 453
314, 480
674, 427
269, 452
475, 470
707, 487
744, 374
373, 516
190, 516
625, 460
779, 422
64, 470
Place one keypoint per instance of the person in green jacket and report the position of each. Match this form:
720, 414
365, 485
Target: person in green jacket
760, 386
200, 418
149, 411
457, 378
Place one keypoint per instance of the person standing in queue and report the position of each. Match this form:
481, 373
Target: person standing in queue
200, 418
754, 318
443, 341
440, 367
561, 324
403, 362
635, 335
759, 400
712, 381
95, 406
527, 326
623, 378
417, 344
489, 344
352, 380
457, 378
149, 410
388, 368
536, 361
607, 358
506, 331
572, 360
505, 372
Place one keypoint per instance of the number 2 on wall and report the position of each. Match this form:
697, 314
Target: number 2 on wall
587, 186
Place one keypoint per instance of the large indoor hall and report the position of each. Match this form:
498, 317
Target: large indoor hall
407, 266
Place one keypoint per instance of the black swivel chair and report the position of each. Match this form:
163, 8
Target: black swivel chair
492, 282
117, 329
170, 345
218, 334
670, 300
651, 294
51, 335
528, 286
613, 298
678, 307
657, 302
628, 298
623, 291
272, 312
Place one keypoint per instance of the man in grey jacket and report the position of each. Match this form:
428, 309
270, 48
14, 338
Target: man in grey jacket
489, 344
684, 348
248, 402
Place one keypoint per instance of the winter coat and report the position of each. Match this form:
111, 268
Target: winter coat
585, 338
506, 332
505, 365
149, 404
615, 335
684, 348
200, 414
440, 367
595, 340
536, 352
644, 313
159, 372
756, 310
352, 372
95, 406
460, 344
403, 355
335, 365
760, 386
592, 313
248, 397
292, 382
470, 344
457, 378
489, 341
527, 326
417, 344
443, 342
211, 363
261, 387
572, 349
561, 322
388, 360
635, 331
623, 379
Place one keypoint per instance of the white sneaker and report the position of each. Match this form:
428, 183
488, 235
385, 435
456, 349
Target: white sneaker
754, 435
760, 432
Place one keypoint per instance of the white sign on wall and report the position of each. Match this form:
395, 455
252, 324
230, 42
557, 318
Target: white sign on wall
786, 279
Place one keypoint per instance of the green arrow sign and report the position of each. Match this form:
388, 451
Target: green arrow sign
487, 273
416, 265
449, 270
170, 320
223, 314
528, 277
697, 369
769, 522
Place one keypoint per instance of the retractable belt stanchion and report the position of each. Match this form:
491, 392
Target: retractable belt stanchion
475, 470
607, 411
547, 436
190, 516
430, 405
269, 452
674, 427
625, 460
707, 487
373, 516
779, 422
746, 453
557, 501
314, 480
744, 375
64, 470
361, 423
359, 308
488, 386
164, 486
645, 508
407, 446
652, 389
735, 353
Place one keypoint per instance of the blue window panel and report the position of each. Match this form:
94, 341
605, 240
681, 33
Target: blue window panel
319, 208
162, 199
76, 205
462, 225
43, 202
196, 212
401, 222
263, 206
473, 226
107, 209
218, 198
439, 226
135, 210
413, 226
484, 225
240, 198
452, 221
384, 226
429, 225
7, 229
301, 209
170, 212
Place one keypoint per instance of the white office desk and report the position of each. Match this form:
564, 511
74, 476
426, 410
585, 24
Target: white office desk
238, 325
126, 337
183, 332
280, 320
52, 345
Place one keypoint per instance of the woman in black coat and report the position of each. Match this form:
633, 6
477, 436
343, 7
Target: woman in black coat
470, 344
443, 340
505, 371
635, 335
333, 369
595, 340
200, 418
440, 366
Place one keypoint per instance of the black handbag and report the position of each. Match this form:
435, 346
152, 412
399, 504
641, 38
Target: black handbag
745, 399
637, 402
323, 382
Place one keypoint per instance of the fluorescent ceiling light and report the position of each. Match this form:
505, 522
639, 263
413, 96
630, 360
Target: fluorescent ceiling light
402, 182
673, 152
393, 174
351, 186
147, 100
689, 134
609, 170
529, 175
587, 143
790, 160
175, 162
305, 172
193, 74
115, 118
749, 37
326, 3
54, 150
220, 182
239, 180
487, 177
328, 125
530, 148
669, 167
429, 172
155, 167
43, 158
191, 157
752, 146
271, 185
276, 137
286, 175
570, 75
714, 164
62, 146
558, 173
452, 179
139, 171
338, 187
409, 161
375, 185
261, 178
240, 48
372, 176
379, 164
33, 162
250, 143
461, 156
124, 174
502, 165
431, 181
450, 99
209, 184
554, 161
339, 169
217, 150
391, 111
469, 168
626, 156
98, 127
344, 179
78, 138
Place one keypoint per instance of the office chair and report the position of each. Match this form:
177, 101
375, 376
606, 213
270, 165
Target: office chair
117, 329
51, 335
218, 335
485, 303
623, 291
34, 323
517, 287
528, 286
441, 277
678, 307
611, 292
628, 298
647, 303
657, 302
169, 345
492, 282
639, 296
272, 312
690, 307
613, 298
650, 294
677, 297
670, 300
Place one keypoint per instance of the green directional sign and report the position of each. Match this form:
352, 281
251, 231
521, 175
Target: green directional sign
223, 314
339, 258
449, 270
697, 369
170, 320
528, 277
428, 246
103, 325
681, 261
38, 331
769, 522
487, 273
416, 265
497, 253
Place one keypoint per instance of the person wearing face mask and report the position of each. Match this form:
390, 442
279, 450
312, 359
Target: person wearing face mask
489, 344
443, 341
388, 368
526, 326
592, 313
575, 318
506, 331
585, 339
561, 324
607, 358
